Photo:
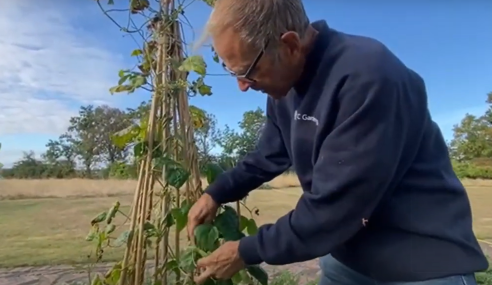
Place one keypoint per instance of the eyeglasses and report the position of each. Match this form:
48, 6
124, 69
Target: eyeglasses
246, 76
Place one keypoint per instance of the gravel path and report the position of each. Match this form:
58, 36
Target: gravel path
68, 275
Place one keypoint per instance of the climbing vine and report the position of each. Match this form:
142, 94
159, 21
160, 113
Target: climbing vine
227, 226
164, 150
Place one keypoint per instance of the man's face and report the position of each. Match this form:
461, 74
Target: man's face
255, 69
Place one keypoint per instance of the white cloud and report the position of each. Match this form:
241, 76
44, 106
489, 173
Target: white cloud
48, 67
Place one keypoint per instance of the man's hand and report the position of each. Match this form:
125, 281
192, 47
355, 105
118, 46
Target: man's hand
203, 211
223, 263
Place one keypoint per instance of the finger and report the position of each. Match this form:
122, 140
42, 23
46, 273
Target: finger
202, 277
204, 261
191, 229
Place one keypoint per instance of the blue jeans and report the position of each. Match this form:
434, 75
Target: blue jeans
335, 273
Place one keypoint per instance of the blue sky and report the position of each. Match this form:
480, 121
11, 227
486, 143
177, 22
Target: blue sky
63, 56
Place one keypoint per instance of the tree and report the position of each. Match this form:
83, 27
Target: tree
59, 149
28, 167
109, 121
90, 135
206, 138
60, 158
139, 113
240, 143
472, 138
82, 134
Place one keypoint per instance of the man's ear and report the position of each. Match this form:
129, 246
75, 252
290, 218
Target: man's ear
292, 42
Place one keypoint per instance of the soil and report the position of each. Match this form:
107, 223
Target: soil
68, 275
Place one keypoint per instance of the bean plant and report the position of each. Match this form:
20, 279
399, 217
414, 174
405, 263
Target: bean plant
169, 179
227, 226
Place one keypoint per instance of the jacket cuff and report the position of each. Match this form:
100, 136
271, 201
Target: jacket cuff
214, 192
248, 250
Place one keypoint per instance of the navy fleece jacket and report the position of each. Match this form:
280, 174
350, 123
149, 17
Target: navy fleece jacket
379, 192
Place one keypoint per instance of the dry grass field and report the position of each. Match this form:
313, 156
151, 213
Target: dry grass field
13, 189
45, 221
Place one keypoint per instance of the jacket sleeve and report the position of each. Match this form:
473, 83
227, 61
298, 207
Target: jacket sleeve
269, 159
356, 164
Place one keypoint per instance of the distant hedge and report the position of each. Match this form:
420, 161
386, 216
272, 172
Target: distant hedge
39, 170
472, 171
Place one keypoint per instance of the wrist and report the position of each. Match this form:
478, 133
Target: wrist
213, 195
211, 199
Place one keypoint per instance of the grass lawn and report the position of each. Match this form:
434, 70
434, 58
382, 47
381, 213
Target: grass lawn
52, 230
43, 231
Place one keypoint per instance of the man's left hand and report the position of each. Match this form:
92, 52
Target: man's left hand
223, 263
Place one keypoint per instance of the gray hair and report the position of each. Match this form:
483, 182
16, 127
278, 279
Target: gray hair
258, 21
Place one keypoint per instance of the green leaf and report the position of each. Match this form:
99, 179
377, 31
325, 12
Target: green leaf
97, 280
252, 228
210, 3
149, 229
126, 136
194, 63
180, 215
120, 88
237, 278
243, 223
102, 237
113, 278
206, 237
112, 212
123, 79
124, 237
172, 265
212, 171
258, 273
113, 275
136, 52
92, 234
177, 176
216, 56
188, 259
99, 218
165, 161
198, 116
138, 81
139, 149
227, 223
109, 229
245, 277
168, 221
186, 206
205, 90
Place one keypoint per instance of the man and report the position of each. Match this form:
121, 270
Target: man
381, 203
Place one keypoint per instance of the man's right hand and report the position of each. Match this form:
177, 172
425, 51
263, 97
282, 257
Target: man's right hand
203, 211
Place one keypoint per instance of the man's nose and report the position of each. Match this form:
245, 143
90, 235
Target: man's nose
243, 85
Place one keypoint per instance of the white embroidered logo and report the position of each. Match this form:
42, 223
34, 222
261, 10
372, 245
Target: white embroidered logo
305, 117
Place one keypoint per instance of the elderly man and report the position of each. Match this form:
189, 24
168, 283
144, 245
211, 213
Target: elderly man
381, 203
